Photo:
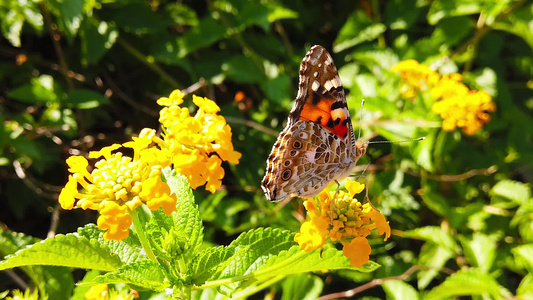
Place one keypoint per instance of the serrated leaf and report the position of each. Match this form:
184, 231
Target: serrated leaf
12, 27
56, 282
357, 29
513, 190
65, 250
128, 250
146, 274
206, 33
277, 89
41, 90
468, 283
436, 202
433, 234
82, 288
445, 8
186, 219
145, 21
85, 99
70, 16
97, 37
433, 257
525, 254
525, 289
480, 251
399, 290
301, 262
243, 69
301, 286
203, 265
518, 23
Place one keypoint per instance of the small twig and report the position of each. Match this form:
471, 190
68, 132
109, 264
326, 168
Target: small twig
149, 63
253, 125
369, 285
194, 87
122, 95
482, 29
452, 178
55, 36
54, 221
35, 185
23, 285
284, 37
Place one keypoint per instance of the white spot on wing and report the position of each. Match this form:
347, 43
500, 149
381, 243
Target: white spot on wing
315, 86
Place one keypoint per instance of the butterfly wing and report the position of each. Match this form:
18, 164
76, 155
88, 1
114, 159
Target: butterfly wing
318, 143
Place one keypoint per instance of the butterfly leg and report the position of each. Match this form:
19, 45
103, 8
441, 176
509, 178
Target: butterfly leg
334, 197
366, 189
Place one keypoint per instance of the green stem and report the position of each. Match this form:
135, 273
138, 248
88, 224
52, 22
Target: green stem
138, 227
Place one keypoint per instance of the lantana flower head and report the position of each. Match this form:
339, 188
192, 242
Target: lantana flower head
457, 105
116, 184
196, 144
350, 224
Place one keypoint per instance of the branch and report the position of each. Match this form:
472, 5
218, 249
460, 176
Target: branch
369, 285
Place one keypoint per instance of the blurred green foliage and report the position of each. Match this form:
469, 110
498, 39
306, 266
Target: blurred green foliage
77, 75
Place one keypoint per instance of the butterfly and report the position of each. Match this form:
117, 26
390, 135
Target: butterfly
317, 146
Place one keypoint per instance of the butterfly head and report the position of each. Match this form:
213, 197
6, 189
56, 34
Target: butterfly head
360, 148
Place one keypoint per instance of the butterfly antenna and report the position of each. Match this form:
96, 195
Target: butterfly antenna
395, 142
361, 118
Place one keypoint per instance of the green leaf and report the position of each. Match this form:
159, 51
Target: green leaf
446, 8
65, 250
515, 191
301, 262
203, 265
128, 250
139, 18
205, 34
85, 99
358, 28
12, 27
433, 234
146, 274
97, 37
432, 257
186, 219
468, 283
244, 69
525, 289
518, 23
41, 90
277, 89
251, 250
301, 286
480, 251
436, 202
523, 220
182, 14
401, 14
56, 282
525, 254
70, 16
398, 290
82, 288
278, 12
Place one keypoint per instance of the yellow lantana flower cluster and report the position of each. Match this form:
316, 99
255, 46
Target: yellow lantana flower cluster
350, 223
117, 184
457, 105
197, 144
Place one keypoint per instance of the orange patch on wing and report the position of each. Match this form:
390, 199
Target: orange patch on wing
321, 113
